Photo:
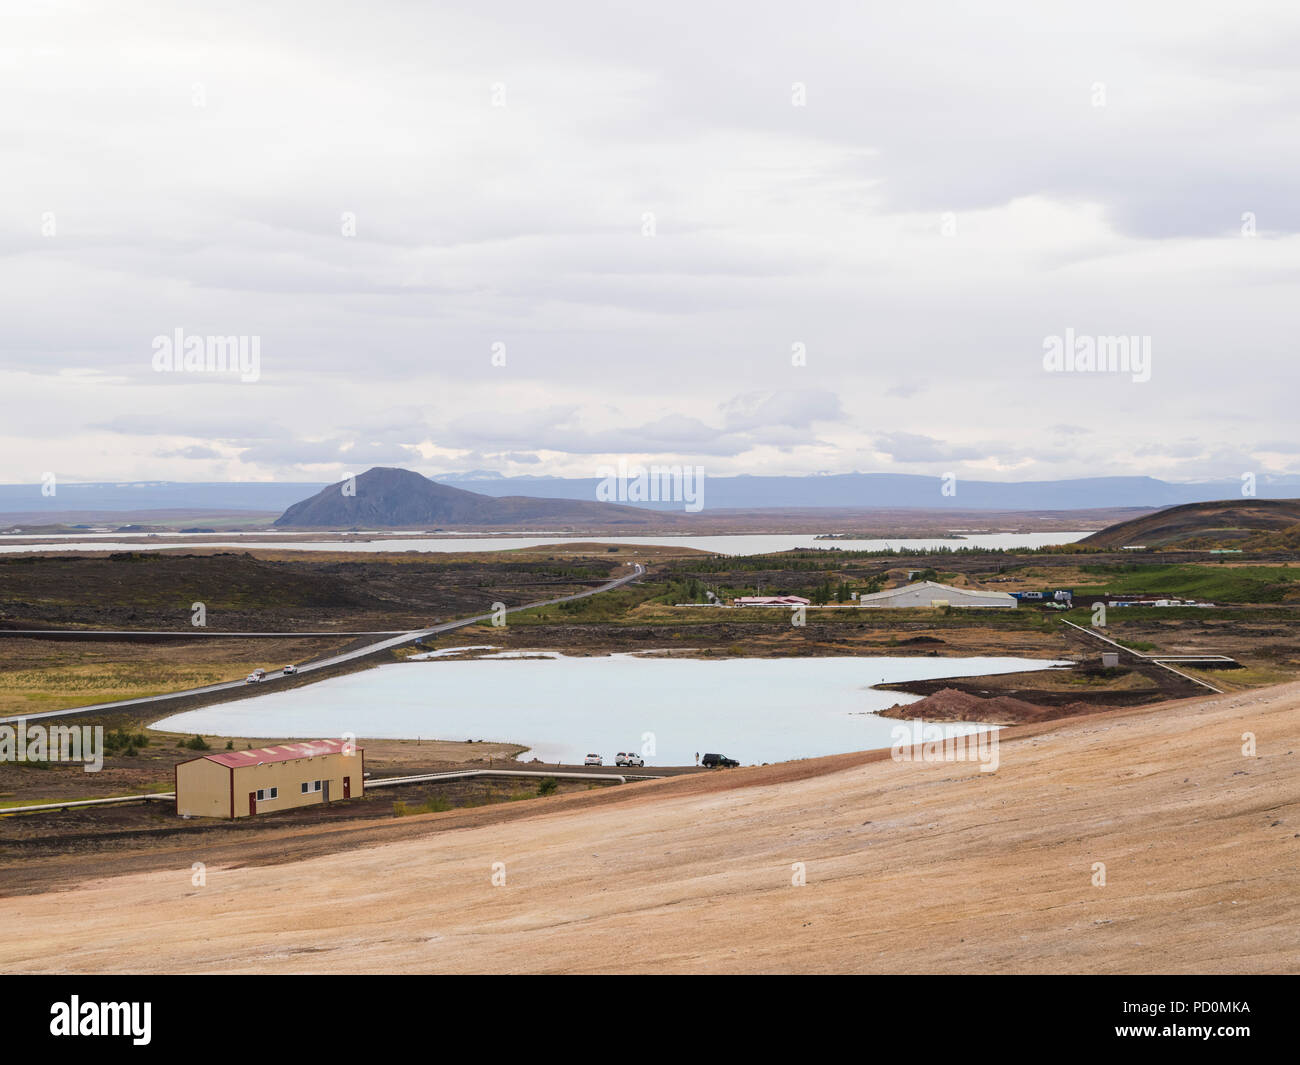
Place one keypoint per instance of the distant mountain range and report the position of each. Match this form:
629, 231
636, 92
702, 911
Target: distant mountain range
77, 502
899, 490
388, 498
850, 490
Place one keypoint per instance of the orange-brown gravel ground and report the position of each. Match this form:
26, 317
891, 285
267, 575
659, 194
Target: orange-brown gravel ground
910, 867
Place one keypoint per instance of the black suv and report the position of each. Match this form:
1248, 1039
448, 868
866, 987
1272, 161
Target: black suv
715, 760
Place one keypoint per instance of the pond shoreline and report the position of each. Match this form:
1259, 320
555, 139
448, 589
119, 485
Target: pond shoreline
563, 707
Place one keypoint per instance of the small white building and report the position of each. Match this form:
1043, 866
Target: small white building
931, 594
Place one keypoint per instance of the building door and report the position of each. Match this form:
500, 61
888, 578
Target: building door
252, 803
326, 785
347, 787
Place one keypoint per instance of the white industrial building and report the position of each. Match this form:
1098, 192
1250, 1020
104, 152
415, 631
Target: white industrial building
931, 593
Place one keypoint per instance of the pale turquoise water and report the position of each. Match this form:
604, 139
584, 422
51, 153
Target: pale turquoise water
754, 710
747, 544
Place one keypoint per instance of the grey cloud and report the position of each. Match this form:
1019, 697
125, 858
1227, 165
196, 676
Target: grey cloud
774, 224
291, 453
913, 447
797, 409
194, 451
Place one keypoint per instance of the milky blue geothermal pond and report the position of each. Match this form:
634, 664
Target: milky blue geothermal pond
733, 544
751, 709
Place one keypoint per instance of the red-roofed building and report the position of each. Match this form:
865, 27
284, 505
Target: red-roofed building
234, 784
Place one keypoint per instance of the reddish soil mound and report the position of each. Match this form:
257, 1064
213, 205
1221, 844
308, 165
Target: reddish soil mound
949, 704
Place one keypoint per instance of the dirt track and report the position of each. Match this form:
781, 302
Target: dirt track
911, 867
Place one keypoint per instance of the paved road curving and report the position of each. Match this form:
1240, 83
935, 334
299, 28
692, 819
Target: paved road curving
348, 656
188, 634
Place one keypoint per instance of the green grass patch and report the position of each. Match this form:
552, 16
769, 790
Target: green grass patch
434, 804
1231, 584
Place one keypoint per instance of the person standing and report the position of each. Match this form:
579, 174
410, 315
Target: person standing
697, 757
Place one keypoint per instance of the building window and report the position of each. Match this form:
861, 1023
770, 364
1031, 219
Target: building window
304, 787
310, 785
264, 794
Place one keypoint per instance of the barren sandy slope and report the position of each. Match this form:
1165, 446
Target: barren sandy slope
911, 867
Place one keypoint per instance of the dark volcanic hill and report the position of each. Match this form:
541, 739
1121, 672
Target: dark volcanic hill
1228, 523
388, 498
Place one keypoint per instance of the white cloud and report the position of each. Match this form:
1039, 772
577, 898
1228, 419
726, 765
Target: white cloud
521, 225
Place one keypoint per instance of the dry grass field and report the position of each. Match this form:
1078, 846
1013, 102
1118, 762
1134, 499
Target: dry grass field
47, 674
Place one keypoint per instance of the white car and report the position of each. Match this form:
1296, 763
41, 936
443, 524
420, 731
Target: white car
289, 671
629, 759
255, 677
593, 759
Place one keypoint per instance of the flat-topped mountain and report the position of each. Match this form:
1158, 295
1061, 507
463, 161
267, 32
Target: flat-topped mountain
389, 498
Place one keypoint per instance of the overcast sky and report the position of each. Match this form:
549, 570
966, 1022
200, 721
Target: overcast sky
650, 206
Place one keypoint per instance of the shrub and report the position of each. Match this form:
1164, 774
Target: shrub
435, 804
119, 738
197, 743
548, 786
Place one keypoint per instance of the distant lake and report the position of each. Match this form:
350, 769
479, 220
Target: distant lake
751, 709
741, 544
